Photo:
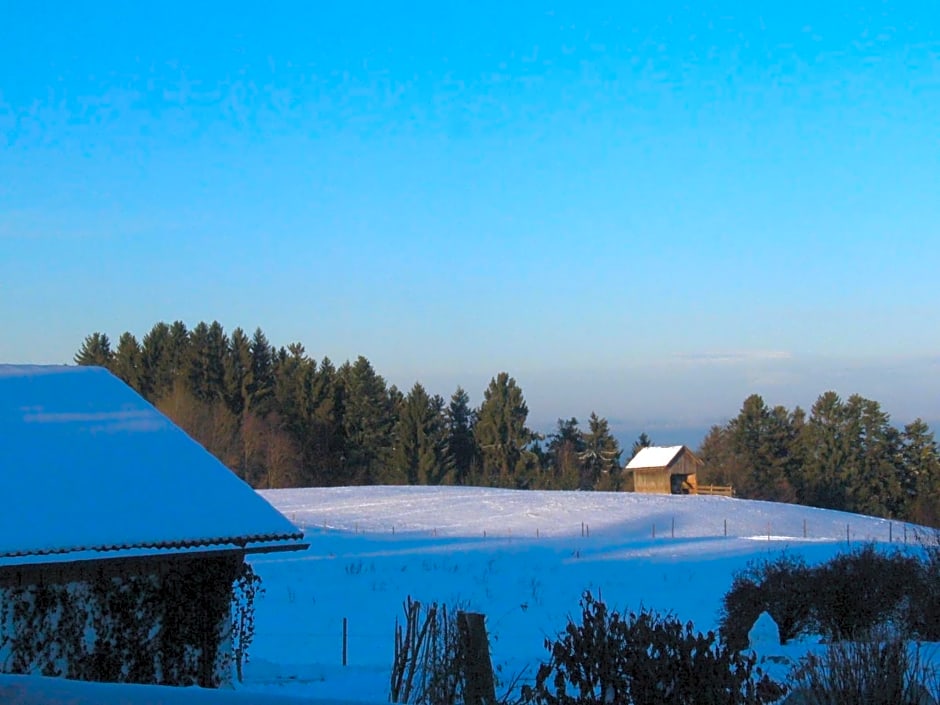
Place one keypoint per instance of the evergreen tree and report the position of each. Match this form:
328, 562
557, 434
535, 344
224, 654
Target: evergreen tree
461, 447
95, 350
238, 372
260, 385
920, 476
643, 441
128, 362
198, 362
825, 454
502, 435
368, 421
601, 455
157, 377
420, 448
565, 446
761, 440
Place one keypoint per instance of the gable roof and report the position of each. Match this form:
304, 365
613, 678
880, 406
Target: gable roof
656, 457
89, 469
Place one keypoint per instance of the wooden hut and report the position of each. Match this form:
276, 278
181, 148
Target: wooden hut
670, 470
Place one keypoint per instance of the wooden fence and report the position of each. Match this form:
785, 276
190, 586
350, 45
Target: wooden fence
722, 490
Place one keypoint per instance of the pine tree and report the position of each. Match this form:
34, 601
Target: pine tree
419, 454
461, 447
238, 372
643, 441
95, 350
368, 421
601, 455
260, 386
825, 454
157, 377
564, 450
920, 474
502, 435
128, 361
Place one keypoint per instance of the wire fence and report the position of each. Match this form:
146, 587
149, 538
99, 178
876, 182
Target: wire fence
875, 530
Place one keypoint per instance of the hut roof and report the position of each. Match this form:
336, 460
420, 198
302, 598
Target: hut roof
89, 469
657, 457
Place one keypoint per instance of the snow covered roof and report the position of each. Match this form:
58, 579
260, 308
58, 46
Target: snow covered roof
654, 457
89, 469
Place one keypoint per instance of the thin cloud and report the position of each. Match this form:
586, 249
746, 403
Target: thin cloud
732, 358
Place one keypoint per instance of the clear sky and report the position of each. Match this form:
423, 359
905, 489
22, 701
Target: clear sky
646, 209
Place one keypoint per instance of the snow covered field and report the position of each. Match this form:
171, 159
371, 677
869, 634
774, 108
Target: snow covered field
522, 558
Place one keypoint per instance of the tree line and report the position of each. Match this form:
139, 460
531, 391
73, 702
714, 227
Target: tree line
846, 455
279, 418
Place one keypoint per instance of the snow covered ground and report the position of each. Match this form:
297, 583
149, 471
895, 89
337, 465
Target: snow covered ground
522, 558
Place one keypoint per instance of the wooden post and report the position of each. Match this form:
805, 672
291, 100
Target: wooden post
890, 532
804, 528
847, 539
345, 641
726, 528
673, 529
479, 685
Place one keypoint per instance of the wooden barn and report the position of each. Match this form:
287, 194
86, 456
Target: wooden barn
670, 470
122, 540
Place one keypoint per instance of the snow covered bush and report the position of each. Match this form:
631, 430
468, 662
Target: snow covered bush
644, 658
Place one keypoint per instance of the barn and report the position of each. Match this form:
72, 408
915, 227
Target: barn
122, 541
669, 470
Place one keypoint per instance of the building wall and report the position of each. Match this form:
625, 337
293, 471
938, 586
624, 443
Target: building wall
165, 620
651, 481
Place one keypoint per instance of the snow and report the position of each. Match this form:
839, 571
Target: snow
91, 467
654, 457
523, 558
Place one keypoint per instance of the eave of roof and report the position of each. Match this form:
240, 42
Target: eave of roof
257, 544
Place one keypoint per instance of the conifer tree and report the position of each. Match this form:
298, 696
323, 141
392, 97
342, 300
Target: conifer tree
601, 456
368, 422
260, 386
238, 372
643, 441
419, 454
564, 450
157, 377
95, 350
502, 435
128, 362
461, 446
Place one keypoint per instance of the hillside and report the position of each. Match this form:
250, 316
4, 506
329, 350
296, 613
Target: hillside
522, 558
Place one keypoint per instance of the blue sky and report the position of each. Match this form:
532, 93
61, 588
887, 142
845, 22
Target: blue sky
650, 210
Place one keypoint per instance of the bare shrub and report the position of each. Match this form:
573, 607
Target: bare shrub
882, 670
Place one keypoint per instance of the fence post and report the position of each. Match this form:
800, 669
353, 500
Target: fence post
673, 530
479, 686
726, 528
847, 539
804, 528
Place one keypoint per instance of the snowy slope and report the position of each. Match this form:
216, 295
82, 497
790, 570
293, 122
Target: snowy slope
522, 558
